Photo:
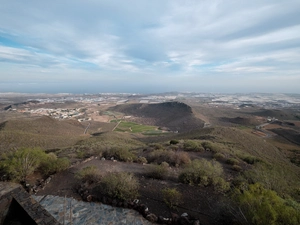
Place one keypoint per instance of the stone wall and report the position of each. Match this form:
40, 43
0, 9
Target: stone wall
14, 194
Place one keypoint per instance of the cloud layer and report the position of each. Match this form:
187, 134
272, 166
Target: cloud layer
139, 45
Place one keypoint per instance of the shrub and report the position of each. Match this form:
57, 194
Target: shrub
262, 206
141, 160
212, 146
158, 171
236, 168
207, 145
174, 142
180, 158
250, 159
81, 154
156, 146
89, 174
194, 146
232, 161
220, 184
20, 164
172, 197
165, 164
51, 164
173, 158
202, 172
123, 186
122, 154
219, 156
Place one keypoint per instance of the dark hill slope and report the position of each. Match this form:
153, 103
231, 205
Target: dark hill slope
245, 121
174, 115
43, 132
278, 114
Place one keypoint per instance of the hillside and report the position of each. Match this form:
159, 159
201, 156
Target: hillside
175, 116
278, 114
43, 132
271, 167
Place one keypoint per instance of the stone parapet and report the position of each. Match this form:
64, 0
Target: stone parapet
14, 193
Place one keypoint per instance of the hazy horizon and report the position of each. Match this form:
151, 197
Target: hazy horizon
150, 46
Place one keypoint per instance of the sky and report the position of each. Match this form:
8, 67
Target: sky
150, 46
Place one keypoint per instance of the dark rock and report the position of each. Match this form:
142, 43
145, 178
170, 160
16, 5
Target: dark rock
184, 220
114, 202
163, 220
143, 209
174, 217
196, 222
152, 218
89, 198
120, 204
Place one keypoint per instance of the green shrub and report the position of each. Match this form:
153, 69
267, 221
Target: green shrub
207, 145
236, 168
158, 171
160, 155
190, 145
232, 161
122, 154
156, 146
123, 186
21, 163
172, 197
214, 147
89, 174
220, 184
272, 176
81, 154
250, 159
202, 172
219, 156
141, 160
262, 206
51, 164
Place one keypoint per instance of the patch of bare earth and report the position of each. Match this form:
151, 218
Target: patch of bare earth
200, 203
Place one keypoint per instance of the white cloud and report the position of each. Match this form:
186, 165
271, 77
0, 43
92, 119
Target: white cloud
140, 40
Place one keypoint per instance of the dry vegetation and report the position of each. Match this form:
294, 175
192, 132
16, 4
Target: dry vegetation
228, 162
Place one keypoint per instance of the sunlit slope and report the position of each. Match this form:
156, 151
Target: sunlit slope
43, 132
268, 164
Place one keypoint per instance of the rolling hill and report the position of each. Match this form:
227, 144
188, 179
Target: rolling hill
176, 116
43, 132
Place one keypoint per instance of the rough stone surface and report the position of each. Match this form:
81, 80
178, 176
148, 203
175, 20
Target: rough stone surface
10, 191
88, 213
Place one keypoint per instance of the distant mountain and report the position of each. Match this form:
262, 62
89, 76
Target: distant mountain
175, 116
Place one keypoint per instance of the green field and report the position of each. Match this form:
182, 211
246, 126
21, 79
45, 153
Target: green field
137, 128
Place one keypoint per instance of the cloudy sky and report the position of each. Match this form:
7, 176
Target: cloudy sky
150, 46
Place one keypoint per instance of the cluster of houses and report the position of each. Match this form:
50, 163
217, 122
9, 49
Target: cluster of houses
59, 113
